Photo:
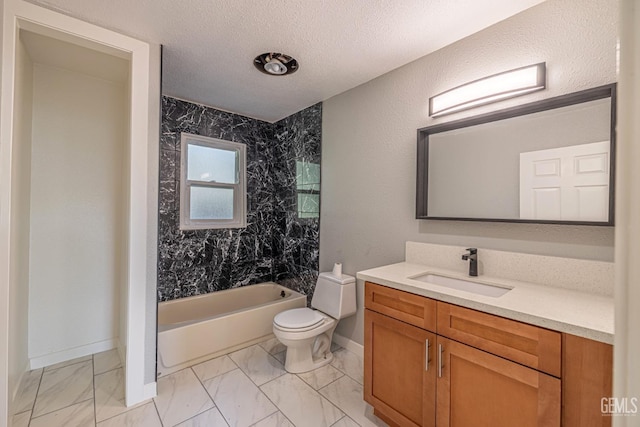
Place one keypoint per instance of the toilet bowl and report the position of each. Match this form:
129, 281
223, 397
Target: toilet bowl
307, 332
308, 347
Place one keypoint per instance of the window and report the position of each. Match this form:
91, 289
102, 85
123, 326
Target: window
213, 191
308, 186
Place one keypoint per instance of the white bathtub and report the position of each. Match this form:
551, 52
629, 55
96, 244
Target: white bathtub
194, 329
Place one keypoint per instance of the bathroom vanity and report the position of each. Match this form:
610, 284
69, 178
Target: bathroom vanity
532, 356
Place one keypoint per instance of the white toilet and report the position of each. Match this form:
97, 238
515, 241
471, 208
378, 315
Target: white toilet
307, 333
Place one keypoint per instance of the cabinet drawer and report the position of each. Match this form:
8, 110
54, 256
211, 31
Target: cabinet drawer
413, 309
528, 345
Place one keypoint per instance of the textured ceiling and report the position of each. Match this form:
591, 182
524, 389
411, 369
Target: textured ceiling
209, 45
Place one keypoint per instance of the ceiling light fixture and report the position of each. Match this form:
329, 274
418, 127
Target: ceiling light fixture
276, 64
489, 89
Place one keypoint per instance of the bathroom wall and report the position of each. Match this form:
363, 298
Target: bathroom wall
296, 159
276, 244
76, 246
369, 140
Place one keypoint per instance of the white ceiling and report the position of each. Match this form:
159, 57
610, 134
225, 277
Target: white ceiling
209, 45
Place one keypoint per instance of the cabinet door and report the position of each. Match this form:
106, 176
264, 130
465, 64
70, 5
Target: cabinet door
399, 371
476, 388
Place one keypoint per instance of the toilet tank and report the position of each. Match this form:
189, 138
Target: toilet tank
335, 296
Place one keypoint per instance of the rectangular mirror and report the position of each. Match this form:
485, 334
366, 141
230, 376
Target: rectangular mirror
550, 161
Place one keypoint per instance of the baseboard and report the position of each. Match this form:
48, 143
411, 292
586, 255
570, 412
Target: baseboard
349, 344
72, 353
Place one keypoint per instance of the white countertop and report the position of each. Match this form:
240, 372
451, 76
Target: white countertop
574, 312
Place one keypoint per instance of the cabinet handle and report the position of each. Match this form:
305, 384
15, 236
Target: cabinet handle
439, 360
426, 356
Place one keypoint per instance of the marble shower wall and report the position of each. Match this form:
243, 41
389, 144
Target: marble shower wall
277, 243
296, 155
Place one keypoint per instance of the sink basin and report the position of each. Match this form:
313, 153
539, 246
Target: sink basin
486, 289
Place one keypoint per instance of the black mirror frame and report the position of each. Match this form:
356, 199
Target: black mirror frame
422, 184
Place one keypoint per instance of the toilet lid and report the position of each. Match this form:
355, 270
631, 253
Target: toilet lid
298, 318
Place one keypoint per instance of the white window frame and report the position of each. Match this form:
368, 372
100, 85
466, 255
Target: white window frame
240, 188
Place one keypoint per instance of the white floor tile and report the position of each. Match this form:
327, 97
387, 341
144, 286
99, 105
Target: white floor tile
142, 416
320, 377
180, 397
26, 395
68, 362
109, 394
301, 404
214, 367
240, 402
259, 365
273, 346
345, 422
281, 357
64, 393
349, 363
78, 415
348, 394
63, 387
275, 420
211, 418
21, 419
106, 361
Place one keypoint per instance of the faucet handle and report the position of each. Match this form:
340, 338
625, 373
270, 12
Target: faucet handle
472, 251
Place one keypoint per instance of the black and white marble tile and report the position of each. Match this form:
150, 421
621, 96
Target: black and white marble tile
279, 243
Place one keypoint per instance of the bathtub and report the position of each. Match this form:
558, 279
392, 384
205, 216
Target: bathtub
194, 329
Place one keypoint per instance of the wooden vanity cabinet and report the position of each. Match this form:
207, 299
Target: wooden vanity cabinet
429, 363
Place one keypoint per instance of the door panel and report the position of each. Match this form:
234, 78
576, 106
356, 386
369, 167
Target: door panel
567, 183
400, 375
479, 389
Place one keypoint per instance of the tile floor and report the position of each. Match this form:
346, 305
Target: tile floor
248, 387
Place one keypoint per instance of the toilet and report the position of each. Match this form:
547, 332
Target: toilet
307, 332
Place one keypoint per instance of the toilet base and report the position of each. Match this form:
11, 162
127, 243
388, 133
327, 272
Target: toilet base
299, 360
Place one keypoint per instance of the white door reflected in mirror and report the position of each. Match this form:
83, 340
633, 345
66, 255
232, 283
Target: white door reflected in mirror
566, 183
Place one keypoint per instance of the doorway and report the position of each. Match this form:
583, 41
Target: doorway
77, 197
79, 130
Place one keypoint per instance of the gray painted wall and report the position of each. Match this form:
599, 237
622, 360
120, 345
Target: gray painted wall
369, 141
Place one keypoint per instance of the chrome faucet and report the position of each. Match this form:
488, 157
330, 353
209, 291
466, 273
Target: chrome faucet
472, 257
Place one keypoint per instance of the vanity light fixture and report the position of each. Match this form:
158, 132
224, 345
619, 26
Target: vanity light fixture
489, 89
